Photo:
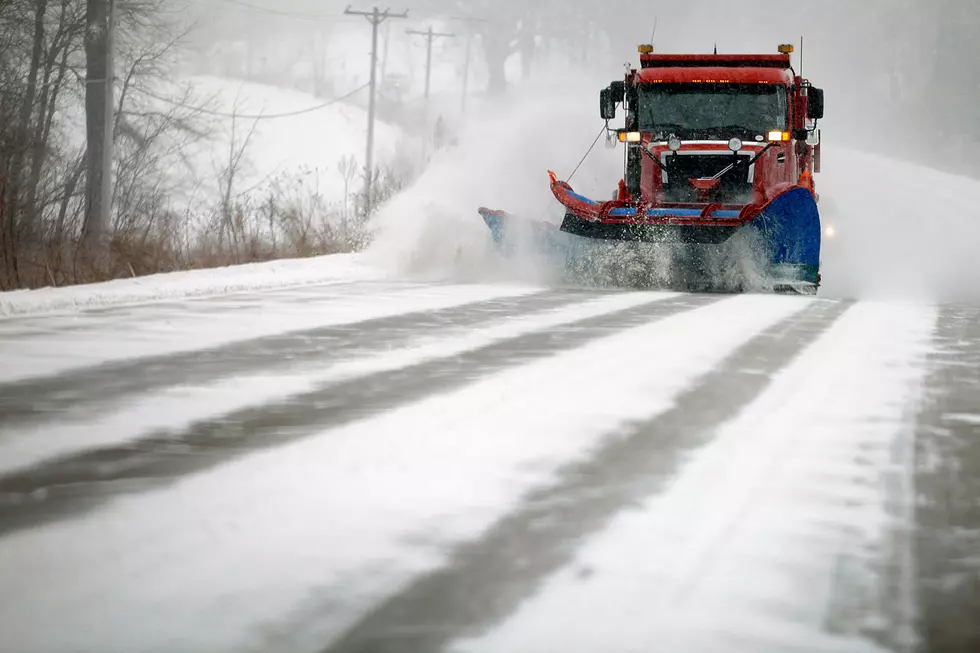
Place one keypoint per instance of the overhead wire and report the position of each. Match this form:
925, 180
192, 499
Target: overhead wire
280, 12
594, 143
259, 116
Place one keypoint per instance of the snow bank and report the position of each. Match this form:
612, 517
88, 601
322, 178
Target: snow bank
307, 148
309, 145
195, 283
902, 230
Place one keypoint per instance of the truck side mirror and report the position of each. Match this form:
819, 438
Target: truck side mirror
815, 105
607, 104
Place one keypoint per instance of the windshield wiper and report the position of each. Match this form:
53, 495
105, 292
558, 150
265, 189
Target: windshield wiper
654, 159
730, 128
739, 161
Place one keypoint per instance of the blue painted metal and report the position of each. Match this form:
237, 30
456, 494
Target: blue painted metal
790, 229
496, 221
551, 245
582, 198
656, 213
680, 213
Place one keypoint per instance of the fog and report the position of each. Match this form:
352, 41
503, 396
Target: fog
895, 71
900, 79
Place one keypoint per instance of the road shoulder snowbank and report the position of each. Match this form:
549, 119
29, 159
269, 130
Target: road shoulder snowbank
339, 268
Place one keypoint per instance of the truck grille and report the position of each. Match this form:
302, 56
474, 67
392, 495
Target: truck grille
735, 187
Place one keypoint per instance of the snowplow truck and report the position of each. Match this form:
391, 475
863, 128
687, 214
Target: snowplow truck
716, 144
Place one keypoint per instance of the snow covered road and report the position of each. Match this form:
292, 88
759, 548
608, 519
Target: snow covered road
369, 465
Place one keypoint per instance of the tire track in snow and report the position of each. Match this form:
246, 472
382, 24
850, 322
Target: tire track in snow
488, 578
58, 352
132, 318
742, 550
948, 488
64, 487
97, 317
29, 402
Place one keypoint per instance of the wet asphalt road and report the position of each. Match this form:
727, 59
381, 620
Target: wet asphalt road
948, 488
485, 579
482, 584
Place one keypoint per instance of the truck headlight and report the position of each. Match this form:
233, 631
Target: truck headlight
735, 144
673, 143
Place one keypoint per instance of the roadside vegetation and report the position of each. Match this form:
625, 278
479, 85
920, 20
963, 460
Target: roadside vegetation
51, 231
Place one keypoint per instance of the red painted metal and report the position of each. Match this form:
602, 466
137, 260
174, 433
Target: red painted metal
601, 211
714, 75
816, 152
658, 60
705, 184
777, 167
623, 194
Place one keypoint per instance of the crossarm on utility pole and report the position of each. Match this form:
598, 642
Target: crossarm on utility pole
430, 36
375, 17
469, 53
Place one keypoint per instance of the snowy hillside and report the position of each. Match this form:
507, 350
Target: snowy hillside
281, 138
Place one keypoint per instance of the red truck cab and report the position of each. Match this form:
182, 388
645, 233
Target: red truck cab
729, 130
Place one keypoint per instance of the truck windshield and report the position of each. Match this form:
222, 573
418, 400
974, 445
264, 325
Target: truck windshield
712, 110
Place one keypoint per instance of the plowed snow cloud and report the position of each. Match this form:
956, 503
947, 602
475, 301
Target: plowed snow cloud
902, 230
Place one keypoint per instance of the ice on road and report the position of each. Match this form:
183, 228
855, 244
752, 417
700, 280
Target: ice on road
400, 466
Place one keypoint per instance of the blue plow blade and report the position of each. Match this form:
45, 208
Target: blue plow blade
788, 232
548, 244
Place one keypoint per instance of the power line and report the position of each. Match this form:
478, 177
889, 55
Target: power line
587, 153
261, 116
280, 12
375, 17
469, 53
429, 36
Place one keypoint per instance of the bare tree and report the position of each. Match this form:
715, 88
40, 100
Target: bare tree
231, 223
44, 174
348, 169
22, 143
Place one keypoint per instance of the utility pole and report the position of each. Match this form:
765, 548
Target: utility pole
99, 118
375, 17
468, 57
384, 59
430, 36
110, 114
